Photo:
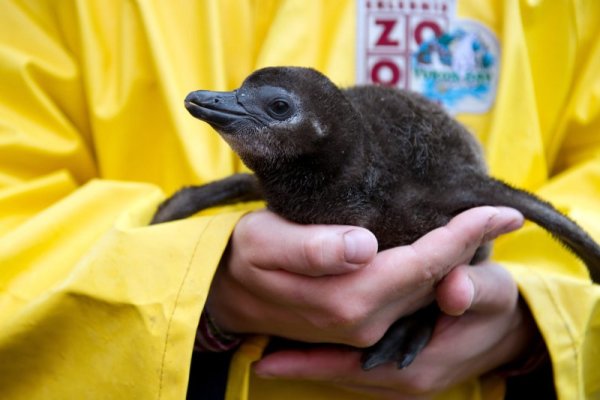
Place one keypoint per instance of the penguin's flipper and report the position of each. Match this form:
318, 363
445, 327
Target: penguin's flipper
189, 200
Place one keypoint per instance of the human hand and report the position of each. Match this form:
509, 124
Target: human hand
293, 280
494, 329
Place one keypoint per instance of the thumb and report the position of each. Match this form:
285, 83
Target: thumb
271, 242
455, 292
486, 287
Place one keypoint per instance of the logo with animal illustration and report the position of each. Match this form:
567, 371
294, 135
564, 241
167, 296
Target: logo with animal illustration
458, 68
423, 46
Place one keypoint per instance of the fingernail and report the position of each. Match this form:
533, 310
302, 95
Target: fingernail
516, 221
496, 228
360, 246
471, 290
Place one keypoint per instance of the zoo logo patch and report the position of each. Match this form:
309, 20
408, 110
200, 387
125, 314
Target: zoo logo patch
424, 47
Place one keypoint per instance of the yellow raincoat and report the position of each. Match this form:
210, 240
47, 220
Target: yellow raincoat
93, 134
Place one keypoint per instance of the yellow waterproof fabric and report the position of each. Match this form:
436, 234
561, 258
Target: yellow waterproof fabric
95, 304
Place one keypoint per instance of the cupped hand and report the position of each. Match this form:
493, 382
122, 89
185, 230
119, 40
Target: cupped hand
493, 329
328, 283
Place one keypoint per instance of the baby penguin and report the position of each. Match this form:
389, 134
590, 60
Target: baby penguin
377, 157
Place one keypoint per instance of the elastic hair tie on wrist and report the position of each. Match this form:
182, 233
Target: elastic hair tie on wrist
209, 338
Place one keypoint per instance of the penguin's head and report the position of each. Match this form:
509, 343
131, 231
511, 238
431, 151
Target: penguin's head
279, 113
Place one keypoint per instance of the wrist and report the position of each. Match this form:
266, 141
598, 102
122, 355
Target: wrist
211, 338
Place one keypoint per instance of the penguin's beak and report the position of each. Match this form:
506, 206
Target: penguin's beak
219, 109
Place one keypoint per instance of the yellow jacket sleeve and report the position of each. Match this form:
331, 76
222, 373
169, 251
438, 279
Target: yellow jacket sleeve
544, 135
94, 303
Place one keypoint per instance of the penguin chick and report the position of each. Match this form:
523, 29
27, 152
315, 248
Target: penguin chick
381, 158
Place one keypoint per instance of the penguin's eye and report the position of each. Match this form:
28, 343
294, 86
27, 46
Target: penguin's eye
279, 109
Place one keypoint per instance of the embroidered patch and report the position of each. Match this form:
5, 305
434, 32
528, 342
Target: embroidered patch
421, 45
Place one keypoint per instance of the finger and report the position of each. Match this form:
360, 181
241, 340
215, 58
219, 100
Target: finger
340, 368
271, 242
454, 244
455, 292
486, 287
337, 366
408, 273
508, 220
317, 364
494, 288
324, 364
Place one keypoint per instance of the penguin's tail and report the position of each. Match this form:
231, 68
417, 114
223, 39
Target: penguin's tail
493, 192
